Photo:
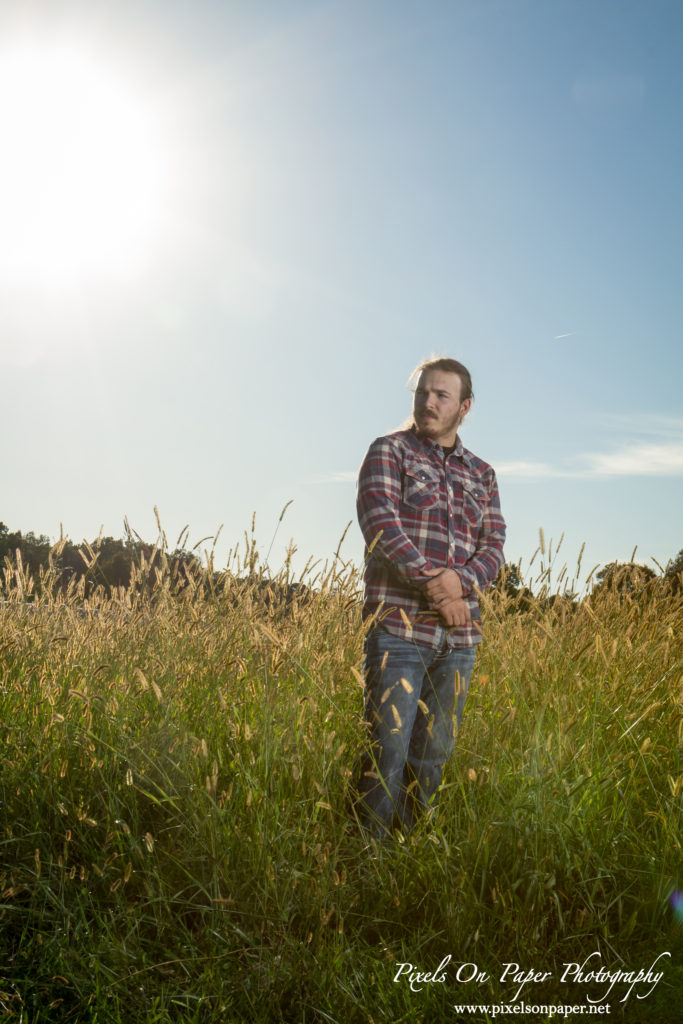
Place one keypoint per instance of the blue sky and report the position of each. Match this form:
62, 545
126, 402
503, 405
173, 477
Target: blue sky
241, 225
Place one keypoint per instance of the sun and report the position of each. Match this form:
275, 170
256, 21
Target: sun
83, 175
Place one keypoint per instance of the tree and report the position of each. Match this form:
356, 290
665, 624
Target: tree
510, 585
674, 573
106, 562
509, 580
35, 551
627, 579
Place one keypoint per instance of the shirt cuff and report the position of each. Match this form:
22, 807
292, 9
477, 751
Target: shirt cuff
468, 580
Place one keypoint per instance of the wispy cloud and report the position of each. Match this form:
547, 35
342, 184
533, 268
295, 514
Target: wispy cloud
527, 469
569, 334
637, 459
342, 476
660, 455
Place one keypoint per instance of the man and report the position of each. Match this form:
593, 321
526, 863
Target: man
430, 514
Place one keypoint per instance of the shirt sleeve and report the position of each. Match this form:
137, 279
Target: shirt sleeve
481, 569
379, 494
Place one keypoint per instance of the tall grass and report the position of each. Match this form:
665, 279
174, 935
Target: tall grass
175, 839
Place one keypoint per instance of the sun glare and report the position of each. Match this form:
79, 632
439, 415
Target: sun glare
82, 177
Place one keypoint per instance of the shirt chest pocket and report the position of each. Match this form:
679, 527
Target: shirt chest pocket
421, 487
474, 501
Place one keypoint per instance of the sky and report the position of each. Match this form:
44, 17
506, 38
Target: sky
230, 231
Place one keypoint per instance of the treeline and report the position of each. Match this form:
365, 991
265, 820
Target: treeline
626, 580
112, 563
106, 562
132, 564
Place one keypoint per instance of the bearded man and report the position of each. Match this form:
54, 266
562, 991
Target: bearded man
430, 515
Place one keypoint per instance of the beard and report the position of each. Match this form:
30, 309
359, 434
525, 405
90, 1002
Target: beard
437, 427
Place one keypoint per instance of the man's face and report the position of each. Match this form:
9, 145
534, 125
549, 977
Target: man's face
437, 408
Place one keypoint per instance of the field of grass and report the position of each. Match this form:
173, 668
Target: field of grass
175, 840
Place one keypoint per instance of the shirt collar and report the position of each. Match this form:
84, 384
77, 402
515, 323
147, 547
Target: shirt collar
460, 451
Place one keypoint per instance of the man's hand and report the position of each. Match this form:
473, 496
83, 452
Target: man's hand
443, 586
455, 612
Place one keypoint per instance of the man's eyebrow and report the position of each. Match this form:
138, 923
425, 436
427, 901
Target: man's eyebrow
442, 390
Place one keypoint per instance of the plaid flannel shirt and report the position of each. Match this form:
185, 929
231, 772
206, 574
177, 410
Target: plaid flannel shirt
419, 509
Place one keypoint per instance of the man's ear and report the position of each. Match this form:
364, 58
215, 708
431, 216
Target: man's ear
465, 407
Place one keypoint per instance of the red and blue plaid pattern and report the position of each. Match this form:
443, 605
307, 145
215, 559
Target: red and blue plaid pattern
420, 510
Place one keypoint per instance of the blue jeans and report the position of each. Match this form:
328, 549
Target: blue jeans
413, 695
